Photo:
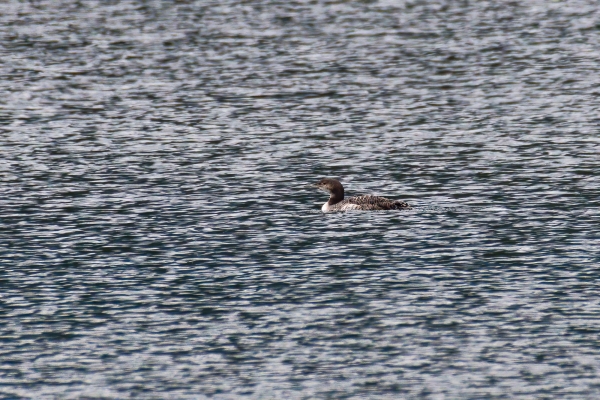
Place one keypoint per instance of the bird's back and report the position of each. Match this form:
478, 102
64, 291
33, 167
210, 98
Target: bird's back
369, 203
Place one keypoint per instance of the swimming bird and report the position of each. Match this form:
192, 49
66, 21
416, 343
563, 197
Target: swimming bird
338, 203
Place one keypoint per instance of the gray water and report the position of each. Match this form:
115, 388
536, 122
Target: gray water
158, 238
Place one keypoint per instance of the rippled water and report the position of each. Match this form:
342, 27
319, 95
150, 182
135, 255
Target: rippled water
158, 238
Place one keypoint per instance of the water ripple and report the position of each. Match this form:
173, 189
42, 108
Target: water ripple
158, 238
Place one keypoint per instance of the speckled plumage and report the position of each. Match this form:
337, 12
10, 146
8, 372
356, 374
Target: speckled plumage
370, 203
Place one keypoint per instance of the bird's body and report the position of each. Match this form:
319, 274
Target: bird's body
338, 203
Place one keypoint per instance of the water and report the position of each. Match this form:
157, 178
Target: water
158, 238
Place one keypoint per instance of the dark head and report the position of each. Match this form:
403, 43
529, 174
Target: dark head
334, 187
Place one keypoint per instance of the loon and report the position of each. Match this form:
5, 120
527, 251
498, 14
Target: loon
337, 203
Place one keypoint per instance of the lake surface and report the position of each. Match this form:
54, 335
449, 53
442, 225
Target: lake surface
158, 238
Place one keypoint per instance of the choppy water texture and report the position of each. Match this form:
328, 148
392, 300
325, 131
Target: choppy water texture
158, 239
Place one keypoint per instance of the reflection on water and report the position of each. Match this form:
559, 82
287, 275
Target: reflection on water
157, 234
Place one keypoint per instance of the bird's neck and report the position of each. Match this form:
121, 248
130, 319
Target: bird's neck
336, 197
